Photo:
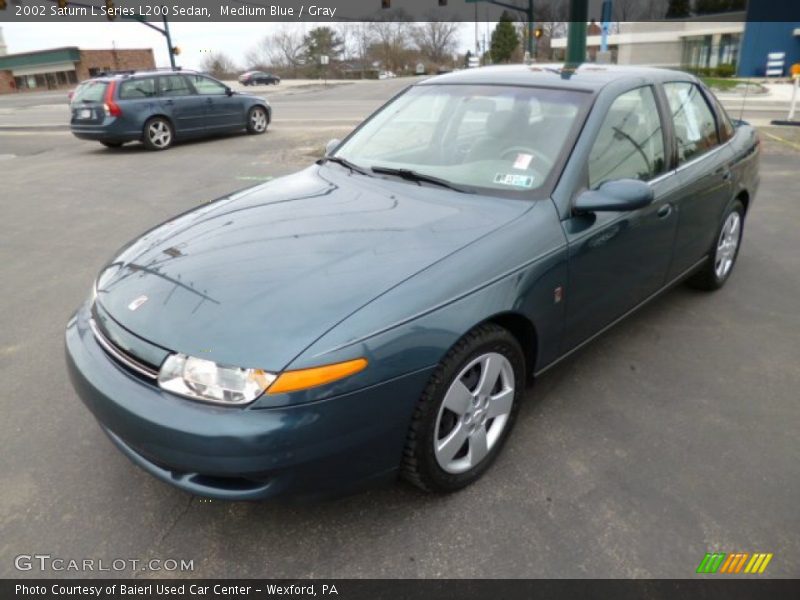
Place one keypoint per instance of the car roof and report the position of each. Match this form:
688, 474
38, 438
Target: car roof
587, 77
117, 75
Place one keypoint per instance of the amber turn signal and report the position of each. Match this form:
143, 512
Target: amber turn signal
302, 379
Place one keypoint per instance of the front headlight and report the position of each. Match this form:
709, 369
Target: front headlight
205, 380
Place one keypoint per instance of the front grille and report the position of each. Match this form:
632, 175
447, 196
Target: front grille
120, 355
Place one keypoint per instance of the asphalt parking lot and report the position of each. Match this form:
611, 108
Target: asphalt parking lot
673, 435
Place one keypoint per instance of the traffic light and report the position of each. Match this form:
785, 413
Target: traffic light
386, 3
176, 50
538, 32
110, 15
62, 4
442, 2
3, 5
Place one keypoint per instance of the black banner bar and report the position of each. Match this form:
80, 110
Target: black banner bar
388, 10
732, 588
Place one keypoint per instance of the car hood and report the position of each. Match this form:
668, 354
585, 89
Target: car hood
255, 278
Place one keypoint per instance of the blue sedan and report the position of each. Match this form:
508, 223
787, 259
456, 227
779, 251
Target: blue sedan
382, 311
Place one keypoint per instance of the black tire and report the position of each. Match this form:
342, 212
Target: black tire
112, 144
420, 465
165, 126
709, 277
254, 125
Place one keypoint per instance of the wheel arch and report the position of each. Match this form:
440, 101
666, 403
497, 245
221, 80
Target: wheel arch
157, 116
523, 329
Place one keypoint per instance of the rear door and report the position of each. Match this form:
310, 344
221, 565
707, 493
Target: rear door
704, 168
223, 111
181, 104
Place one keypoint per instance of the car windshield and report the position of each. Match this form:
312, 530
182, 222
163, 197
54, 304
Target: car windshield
495, 139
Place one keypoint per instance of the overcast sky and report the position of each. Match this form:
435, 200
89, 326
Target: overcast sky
193, 38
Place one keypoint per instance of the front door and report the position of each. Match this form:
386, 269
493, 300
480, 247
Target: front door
618, 259
223, 111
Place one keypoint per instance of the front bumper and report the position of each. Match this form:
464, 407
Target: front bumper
318, 448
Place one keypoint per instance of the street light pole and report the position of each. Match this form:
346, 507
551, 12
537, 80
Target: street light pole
169, 43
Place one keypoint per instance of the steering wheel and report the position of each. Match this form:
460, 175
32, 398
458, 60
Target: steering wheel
514, 150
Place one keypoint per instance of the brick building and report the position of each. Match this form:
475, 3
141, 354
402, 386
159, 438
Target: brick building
64, 67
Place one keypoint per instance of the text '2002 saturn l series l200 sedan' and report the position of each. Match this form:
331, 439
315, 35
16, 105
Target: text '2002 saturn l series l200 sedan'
381, 311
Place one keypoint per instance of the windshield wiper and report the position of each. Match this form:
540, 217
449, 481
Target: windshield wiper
345, 163
420, 177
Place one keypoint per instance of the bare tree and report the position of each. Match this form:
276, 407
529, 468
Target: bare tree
436, 40
219, 64
358, 37
391, 34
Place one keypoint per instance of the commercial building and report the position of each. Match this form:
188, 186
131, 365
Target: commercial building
64, 67
701, 43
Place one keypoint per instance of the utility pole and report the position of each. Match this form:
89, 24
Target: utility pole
576, 34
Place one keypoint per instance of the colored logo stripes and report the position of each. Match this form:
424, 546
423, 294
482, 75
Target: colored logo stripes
736, 562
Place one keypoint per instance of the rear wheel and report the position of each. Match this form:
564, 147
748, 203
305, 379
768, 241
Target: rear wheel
112, 144
715, 272
466, 412
158, 134
257, 120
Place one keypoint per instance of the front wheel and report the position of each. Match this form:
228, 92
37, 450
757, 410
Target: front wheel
158, 134
257, 120
466, 412
715, 272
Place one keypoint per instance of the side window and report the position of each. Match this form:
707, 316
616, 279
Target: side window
630, 143
695, 129
137, 88
724, 121
206, 86
175, 85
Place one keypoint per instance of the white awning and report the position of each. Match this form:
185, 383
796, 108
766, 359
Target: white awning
51, 68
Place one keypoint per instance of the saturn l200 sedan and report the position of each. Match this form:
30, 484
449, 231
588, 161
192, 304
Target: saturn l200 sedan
381, 312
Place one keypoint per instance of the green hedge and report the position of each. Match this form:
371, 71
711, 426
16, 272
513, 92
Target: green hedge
725, 70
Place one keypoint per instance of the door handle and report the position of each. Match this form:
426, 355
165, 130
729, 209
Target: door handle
664, 211
168, 102
209, 100
726, 176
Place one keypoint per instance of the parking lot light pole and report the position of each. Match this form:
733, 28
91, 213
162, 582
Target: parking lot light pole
576, 34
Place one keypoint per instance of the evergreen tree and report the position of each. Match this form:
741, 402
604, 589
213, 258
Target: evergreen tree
504, 39
678, 9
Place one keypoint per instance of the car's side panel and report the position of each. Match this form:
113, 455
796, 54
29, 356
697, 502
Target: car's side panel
617, 260
705, 192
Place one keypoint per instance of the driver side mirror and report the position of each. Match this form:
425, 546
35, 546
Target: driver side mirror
228, 91
615, 196
331, 146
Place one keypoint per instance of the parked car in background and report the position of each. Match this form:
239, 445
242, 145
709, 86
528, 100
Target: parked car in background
386, 75
160, 107
258, 78
381, 311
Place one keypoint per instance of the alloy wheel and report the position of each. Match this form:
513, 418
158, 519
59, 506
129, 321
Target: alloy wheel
258, 120
727, 245
159, 134
474, 413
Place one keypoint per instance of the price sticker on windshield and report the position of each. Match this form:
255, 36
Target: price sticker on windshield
514, 180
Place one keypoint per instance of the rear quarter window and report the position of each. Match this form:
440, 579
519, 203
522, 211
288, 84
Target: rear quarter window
90, 91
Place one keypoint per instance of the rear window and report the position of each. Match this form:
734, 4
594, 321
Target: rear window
91, 91
138, 88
